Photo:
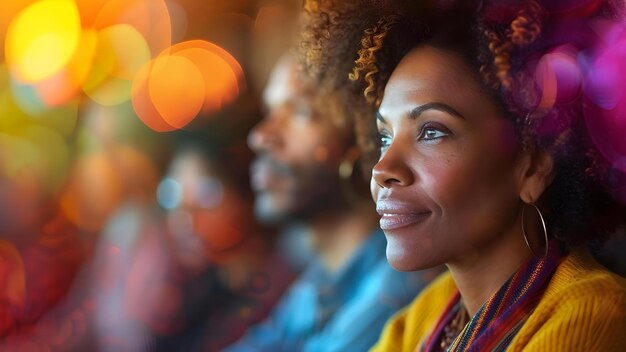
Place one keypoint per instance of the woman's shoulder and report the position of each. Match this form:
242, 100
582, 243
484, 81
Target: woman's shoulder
582, 309
580, 277
408, 327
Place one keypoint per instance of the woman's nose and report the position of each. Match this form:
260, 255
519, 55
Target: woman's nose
392, 169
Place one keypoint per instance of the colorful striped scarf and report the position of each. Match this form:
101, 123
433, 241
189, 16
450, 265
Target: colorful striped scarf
497, 322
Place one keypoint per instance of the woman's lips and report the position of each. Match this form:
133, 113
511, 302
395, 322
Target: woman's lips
396, 221
395, 216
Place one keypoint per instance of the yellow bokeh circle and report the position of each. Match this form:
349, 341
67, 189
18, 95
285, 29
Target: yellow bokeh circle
42, 39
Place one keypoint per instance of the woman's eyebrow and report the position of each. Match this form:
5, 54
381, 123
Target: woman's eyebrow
416, 112
380, 117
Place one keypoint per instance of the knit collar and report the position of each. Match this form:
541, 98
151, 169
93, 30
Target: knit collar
497, 322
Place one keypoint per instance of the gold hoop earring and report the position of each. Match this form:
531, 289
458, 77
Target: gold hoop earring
543, 225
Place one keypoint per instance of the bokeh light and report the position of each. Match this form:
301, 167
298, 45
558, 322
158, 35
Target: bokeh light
164, 102
106, 50
89, 11
605, 108
169, 193
120, 54
66, 85
142, 101
28, 99
151, 18
179, 19
39, 45
161, 99
8, 11
95, 47
177, 100
62, 119
35, 140
223, 76
558, 78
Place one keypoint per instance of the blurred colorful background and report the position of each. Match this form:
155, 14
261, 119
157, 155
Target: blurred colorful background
125, 209
125, 220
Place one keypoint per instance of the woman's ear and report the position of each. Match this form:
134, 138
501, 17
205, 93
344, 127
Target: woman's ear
538, 175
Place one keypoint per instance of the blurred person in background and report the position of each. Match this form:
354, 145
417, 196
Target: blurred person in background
190, 275
208, 268
50, 281
306, 175
234, 274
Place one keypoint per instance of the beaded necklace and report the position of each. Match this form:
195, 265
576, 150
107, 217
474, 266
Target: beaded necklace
454, 328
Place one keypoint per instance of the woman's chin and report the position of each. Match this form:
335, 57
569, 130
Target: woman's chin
403, 259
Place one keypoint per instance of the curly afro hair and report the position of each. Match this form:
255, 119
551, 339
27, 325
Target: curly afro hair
330, 35
508, 43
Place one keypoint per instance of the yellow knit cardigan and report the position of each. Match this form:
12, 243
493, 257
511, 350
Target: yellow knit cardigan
582, 309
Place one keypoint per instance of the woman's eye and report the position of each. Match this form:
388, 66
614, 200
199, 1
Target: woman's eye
384, 141
433, 133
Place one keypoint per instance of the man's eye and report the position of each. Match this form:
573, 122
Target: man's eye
302, 110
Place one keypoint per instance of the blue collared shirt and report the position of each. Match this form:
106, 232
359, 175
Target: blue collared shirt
342, 311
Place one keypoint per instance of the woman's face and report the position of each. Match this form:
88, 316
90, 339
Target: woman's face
448, 180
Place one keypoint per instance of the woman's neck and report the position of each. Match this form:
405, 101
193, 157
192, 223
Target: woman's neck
480, 274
